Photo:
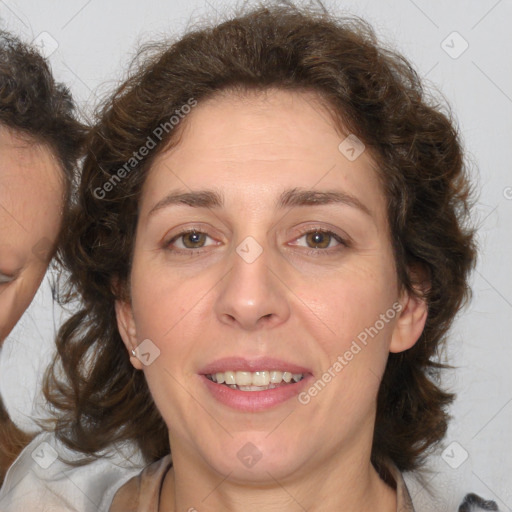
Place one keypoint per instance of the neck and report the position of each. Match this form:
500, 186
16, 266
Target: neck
347, 482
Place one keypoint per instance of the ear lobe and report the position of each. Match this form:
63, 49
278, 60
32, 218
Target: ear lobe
127, 330
410, 323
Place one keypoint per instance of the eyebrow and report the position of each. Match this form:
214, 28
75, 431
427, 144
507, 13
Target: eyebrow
213, 199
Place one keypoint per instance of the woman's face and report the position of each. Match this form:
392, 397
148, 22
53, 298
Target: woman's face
30, 214
290, 270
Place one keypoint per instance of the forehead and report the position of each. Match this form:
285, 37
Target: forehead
260, 125
259, 143
31, 190
24, 161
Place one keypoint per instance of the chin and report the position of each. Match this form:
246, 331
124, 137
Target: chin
256, 458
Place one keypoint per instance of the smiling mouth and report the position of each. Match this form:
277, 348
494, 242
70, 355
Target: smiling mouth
255, 381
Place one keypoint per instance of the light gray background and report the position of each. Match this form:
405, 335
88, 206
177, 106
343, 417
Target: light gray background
94, 41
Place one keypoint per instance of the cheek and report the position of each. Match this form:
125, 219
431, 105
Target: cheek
174, 312
162, 302
348, 304
352, 340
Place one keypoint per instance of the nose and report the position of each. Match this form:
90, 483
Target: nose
253, 295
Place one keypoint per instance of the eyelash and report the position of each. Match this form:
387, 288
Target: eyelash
310, 252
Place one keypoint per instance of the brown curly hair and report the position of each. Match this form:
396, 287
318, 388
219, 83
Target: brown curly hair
41, 110
34, 105
372, 92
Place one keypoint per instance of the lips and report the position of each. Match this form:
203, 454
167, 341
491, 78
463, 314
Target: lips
253, 400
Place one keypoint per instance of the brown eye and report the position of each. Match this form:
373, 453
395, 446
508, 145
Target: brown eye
190, 242
320, 242
319, 239
193, 240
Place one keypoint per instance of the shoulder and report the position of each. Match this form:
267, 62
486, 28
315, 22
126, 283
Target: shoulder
41, 476
142, 492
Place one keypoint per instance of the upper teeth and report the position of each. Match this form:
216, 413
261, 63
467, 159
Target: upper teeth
261, 378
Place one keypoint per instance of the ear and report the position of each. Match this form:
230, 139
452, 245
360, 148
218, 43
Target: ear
411, 322
127, 330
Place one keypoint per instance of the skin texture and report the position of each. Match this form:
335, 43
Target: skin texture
31, 191
303, 308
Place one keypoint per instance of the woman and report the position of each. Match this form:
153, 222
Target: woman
270, 245
39, 144
40, 141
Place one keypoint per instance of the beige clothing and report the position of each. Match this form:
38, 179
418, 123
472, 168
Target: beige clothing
142, 492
